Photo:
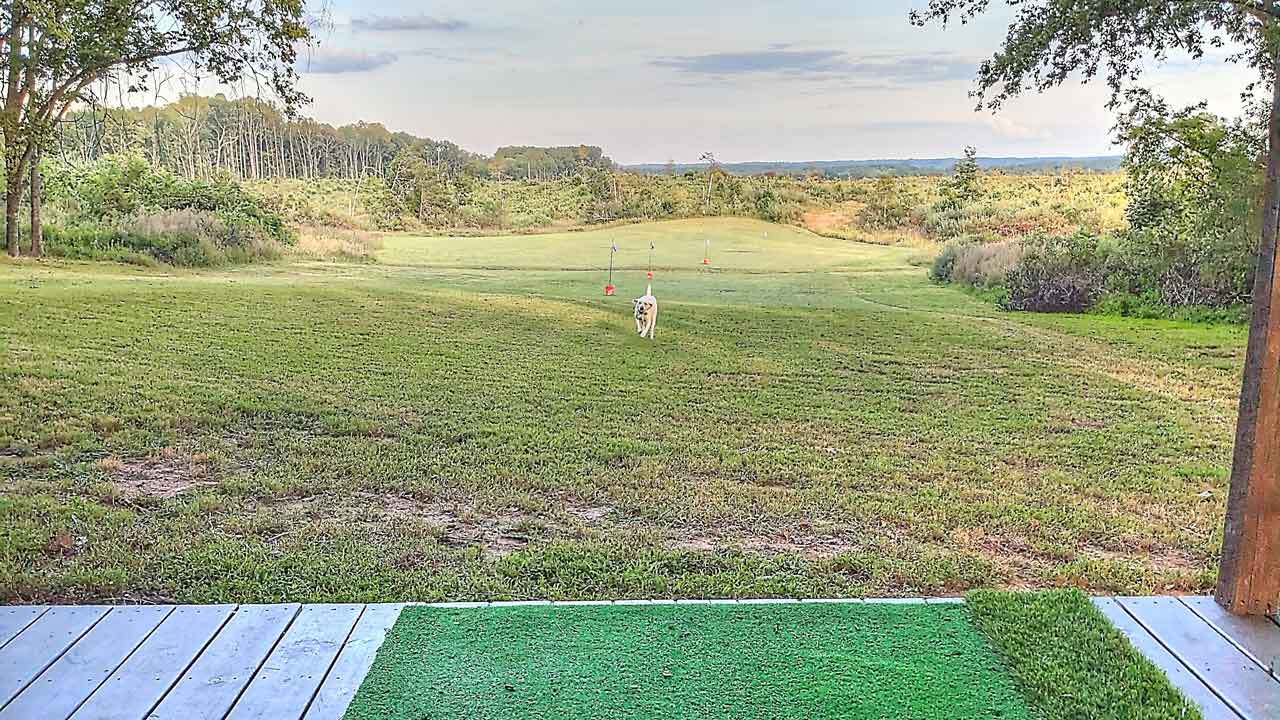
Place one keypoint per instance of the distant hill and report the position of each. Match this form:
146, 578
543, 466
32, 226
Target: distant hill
876, 168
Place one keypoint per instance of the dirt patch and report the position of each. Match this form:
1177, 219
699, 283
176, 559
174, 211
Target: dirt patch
584, 511
827, 221
1023, 564
1162, 559
64, 544
163, 475
498, 533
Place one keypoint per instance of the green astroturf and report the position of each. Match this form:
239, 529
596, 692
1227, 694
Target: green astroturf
812, 661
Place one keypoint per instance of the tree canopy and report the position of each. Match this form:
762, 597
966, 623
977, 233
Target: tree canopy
1050, 40
52, 52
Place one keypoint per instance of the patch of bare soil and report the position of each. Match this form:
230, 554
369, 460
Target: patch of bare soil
163, 475
584, 511
1014, 554
829, 221
499, 533
64, 544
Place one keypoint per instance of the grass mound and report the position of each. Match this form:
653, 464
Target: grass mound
813, 661
1070, 662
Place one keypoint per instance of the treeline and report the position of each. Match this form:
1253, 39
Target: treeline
897, 168
198, 137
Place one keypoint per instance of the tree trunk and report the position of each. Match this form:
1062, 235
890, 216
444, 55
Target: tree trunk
1249, 576
14, 186
37, 197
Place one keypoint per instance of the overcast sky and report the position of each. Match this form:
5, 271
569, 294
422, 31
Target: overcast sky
670, 79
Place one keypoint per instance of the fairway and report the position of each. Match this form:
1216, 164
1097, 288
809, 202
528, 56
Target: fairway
470, 418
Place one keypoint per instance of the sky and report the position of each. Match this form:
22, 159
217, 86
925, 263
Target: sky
671, 79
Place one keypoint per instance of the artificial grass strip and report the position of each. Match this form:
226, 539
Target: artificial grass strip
1069, 660
778, 661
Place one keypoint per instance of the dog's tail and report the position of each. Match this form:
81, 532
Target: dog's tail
649, 290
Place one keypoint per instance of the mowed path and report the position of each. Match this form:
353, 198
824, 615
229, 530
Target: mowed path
470, 418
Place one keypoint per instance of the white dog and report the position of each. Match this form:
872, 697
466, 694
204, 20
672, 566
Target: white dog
646, 308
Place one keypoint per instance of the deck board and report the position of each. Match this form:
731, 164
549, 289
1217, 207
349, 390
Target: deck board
1240, 681
213, 683
1256, 636
285, 684
14, 620
42, 643
140, 683
1211, 706
85, 665
353, 662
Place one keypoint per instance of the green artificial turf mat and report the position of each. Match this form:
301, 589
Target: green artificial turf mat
1069, 660
812, 661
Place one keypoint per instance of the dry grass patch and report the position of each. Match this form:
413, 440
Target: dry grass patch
162, 475
331, 243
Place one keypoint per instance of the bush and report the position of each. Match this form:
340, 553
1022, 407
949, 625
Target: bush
944, 264
986, 265
1056, 274
187, 238
122, 209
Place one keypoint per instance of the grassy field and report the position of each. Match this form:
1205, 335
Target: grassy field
471, 419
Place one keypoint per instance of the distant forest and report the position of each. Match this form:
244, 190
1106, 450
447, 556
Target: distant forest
879, 168
197, 136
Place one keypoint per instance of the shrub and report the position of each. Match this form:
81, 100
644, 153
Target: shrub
1056, 274
122, 208
944, 264
986, 265
189, 238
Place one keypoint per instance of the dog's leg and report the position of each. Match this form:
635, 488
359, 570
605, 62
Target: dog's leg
653, 321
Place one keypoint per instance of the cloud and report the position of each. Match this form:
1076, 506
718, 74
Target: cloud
1012, 130
336, 61
759, 61
395, 23
871, 70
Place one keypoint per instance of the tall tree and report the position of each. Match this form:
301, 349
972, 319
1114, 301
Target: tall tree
52, 52
1050, 40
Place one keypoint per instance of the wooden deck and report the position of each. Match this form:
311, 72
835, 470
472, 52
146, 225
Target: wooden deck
1226, 664
192, 662
294, 662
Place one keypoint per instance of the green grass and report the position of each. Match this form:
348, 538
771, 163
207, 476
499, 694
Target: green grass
1070, 662
472, 419
736, 245
811, 661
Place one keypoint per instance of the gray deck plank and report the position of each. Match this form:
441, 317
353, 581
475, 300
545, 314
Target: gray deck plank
1257, 636
1241, 682
211, 685
43, 642
353, 663
139, 684
73, 677
288, 680
14, 619
1211, 706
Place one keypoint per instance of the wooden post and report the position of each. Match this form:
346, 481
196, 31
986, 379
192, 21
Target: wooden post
1249, 576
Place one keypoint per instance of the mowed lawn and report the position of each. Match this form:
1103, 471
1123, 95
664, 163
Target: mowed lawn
471, 418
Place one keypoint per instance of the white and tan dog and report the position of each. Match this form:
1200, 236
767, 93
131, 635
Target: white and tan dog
646, 308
